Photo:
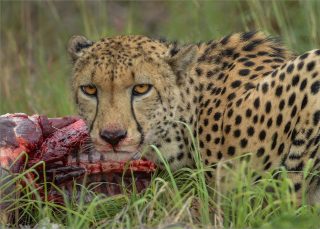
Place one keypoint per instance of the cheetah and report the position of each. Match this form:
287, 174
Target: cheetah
242, 93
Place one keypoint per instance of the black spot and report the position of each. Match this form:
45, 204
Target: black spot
290, 68
200, 130
255, 119
279, 91
243, 142
243, 59
230, 112
208, 137
201, 144
247, 35
248, 113
227, 129
294, 111
244, 72
248, 64
256, 103
252, 45
295, 80
287, 127
209, 74
268, 107
236, 55
280, 149
267, 61
237, 133
199, 71
262, 53
266, 159
238, 103
265, 88
215, 127
274, 73
282, 76
236, 83
260, 152
238, 120
300, 65
281, 104
231, 150
171, 160
274, 141
217, 116
292, 98
310, 66
231, 96
209, 153
259, 68
180, 156
267, 166
250, 131
249, 86
218, 103
219, 155
269, 123
262, 135
315, 87
217, 140
316, 118
225, 40
303, 84
304, 56
298, 167
297, 142
228, 52
279, 120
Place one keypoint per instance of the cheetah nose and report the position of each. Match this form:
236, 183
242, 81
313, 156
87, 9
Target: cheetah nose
113, 137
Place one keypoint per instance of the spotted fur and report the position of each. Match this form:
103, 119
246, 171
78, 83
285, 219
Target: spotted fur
244, 93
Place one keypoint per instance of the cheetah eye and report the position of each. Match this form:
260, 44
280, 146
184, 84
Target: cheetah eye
141, 89
89, 89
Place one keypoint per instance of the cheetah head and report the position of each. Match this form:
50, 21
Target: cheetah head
127, 89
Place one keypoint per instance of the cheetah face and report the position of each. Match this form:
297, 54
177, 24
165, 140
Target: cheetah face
123, 94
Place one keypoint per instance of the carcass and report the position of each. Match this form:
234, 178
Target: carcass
26, 141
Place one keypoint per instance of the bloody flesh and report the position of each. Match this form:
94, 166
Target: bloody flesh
53, 141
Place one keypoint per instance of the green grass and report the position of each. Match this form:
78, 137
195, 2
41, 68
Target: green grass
35, 77
169, 200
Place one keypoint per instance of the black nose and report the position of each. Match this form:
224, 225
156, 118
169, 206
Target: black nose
113, 137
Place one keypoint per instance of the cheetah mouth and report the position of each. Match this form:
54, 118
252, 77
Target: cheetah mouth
106, 171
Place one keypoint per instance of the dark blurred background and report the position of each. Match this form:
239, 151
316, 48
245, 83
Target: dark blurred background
35, 69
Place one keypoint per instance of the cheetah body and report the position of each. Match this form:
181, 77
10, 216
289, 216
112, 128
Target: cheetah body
242, 94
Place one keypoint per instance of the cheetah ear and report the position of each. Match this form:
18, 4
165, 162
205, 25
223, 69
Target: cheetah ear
76, 45
181, 60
